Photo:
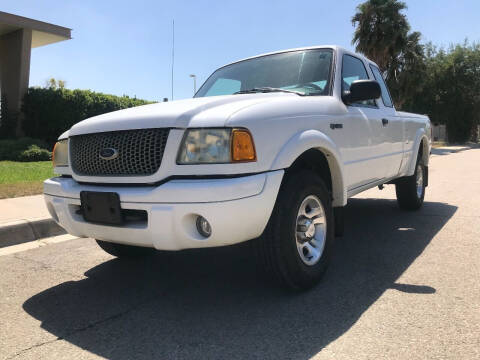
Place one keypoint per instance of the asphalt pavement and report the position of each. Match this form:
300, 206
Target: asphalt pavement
402, 285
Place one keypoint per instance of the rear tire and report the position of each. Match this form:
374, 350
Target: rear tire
124, 251
297, 243
411, 189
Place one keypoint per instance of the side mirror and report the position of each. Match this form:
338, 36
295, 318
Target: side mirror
361, 90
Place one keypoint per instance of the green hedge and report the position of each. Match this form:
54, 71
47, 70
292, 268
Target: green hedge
7, 121
24, 149
49, 112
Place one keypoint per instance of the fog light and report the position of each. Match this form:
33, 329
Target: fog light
203, 227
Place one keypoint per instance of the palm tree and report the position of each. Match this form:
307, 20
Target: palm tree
382, 34
406, 71
382, 30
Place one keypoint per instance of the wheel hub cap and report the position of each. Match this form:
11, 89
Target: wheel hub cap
419, 181
311, 230
305, 229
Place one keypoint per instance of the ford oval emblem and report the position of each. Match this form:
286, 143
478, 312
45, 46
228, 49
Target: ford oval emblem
108, 154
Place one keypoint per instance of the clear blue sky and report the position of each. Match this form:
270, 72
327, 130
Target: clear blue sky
124, 47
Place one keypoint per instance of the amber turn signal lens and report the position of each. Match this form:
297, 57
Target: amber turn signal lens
243, 148
60, 153
53, 153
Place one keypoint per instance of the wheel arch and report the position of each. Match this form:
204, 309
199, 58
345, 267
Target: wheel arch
314, 150
421, 147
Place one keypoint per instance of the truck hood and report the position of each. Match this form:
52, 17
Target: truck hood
212, 111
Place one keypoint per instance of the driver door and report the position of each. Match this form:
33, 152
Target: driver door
363, 159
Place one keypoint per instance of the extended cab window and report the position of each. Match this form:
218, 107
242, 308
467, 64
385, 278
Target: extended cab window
387, 100
353, 69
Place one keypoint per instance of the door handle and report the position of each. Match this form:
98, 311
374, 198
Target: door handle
384, 122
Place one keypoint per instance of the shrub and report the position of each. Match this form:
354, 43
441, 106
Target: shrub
34, 153
24, 149
51, 111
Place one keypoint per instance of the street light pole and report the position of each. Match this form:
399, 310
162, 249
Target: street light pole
194, 83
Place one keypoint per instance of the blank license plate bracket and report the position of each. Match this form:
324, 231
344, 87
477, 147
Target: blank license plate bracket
101, 207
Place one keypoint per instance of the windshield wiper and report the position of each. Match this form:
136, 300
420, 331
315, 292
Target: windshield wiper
267, 90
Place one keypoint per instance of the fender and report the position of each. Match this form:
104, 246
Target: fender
314, 139
419, 136
64, 135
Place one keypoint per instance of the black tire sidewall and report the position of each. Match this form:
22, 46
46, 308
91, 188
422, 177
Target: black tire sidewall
420, 199
417, 201
292, 194
406, 189
124, 251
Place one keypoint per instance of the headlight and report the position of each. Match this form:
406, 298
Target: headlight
216, 146
60, 153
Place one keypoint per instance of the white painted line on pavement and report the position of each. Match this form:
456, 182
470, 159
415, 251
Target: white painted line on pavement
35, 244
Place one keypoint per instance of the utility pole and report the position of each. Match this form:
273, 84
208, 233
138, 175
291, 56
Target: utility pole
173, 51
194, 83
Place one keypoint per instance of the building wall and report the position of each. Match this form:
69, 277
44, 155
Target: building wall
439, 133
15, 48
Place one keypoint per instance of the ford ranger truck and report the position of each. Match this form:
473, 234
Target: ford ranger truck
270, 148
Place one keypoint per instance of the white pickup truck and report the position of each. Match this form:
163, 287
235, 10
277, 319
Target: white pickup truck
270, 149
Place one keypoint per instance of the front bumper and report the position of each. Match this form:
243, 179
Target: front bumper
238, 210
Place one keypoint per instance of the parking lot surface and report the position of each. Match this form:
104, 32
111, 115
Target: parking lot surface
402, 285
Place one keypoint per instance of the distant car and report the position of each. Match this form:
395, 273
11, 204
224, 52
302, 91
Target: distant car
270, 148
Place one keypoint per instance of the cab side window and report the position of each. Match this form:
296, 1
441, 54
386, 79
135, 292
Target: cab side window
354, 69
387, 100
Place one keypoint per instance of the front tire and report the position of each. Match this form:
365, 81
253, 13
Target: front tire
124, 251
411, 189
296, 245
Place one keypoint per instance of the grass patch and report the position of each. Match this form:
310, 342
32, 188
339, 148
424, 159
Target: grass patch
20, 189
23, 178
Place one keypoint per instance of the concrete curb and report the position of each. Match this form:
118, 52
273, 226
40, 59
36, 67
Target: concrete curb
22, 231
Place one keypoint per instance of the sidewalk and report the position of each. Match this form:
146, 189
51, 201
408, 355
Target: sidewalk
451, 149
29, 208
25, 219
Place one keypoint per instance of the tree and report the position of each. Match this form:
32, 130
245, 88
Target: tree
381, 33
450, 91
406, 74
53, 83
458, 90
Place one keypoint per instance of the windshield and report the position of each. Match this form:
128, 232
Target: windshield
306, 72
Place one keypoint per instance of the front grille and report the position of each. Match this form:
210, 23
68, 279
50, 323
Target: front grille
140, 152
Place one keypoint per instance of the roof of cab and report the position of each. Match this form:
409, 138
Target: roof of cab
333, 47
